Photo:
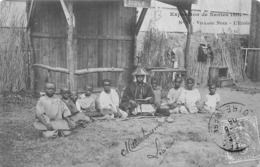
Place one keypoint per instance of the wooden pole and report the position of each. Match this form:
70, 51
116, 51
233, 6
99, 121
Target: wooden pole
30, 12
30, 15
187, 47
140, 20
53, 69
138, 25
183, 16
32, 61
70, 50
190, 19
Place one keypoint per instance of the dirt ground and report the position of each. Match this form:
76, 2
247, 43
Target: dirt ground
101, 143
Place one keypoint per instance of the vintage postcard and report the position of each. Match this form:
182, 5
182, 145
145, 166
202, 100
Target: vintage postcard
129, 83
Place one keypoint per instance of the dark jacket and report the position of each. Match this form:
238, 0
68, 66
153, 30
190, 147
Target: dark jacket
131, 92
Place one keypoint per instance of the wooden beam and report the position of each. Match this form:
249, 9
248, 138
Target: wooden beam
78, 72
189, 16
183, 16
30, 15
31, 62
31, 59
105, 37
140, 20
95, 70
79, 36
186, 17
70, 50
169, 70
187, 55
47, 35
53, 69
68, 13
250, 49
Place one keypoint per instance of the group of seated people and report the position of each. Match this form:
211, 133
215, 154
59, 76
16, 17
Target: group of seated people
57, 116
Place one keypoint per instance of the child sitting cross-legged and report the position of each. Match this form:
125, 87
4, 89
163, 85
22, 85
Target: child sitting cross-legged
174, 95
88, 103
69, 98
52, 114
189, 98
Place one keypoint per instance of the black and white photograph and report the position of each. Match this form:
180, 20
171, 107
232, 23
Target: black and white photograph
129, 83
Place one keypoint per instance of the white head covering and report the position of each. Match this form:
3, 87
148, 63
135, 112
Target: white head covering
140, 71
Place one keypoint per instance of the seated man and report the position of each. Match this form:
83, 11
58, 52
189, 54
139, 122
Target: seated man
138, 92
109, 102
70, 100
88, 103
53, 114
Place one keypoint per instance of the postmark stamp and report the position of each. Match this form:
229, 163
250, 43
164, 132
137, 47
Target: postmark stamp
234, 128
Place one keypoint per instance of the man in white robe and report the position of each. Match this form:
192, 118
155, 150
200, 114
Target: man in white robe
109, 102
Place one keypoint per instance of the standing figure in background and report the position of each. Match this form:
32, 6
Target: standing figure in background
138, 93
174, 58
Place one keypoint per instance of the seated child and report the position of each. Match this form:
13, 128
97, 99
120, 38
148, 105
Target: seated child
76, 116
157, 90
174, 95
212, 100
53, 114
88, 103
189, 98
109, 102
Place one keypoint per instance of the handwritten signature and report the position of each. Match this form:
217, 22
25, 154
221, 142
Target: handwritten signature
131, 144
159, 149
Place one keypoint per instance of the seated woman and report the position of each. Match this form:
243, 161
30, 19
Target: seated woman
189, 98
138, 93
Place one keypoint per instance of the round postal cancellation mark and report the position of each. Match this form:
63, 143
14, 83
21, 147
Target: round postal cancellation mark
234, 128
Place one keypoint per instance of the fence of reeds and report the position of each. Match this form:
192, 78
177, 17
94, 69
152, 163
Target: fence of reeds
227, 53
155, 52
13, 59
225, 47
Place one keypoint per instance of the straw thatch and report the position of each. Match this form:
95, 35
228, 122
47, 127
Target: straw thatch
154, 51
225, 47
13, 59
227, 52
